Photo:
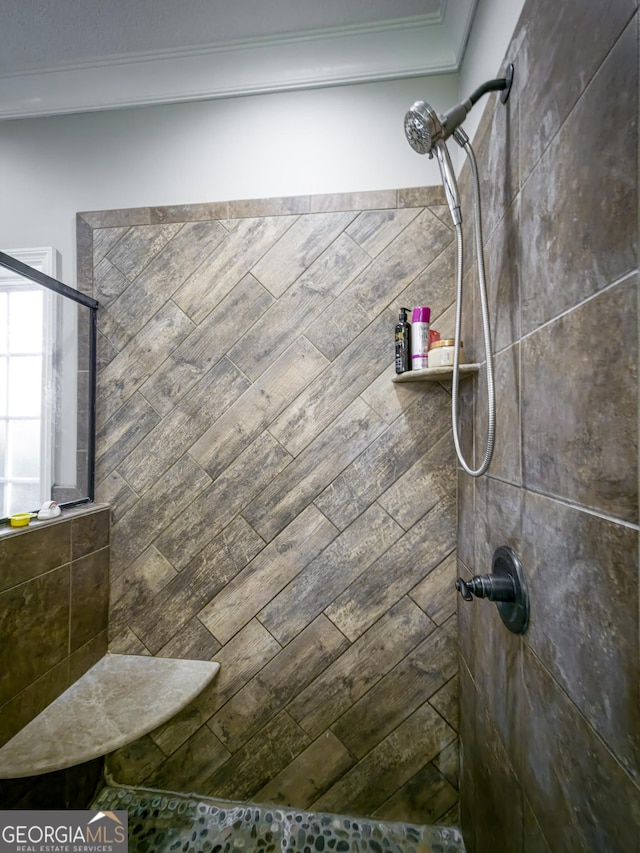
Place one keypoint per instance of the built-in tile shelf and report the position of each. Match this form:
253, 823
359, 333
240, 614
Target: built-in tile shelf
119, 699
435, 374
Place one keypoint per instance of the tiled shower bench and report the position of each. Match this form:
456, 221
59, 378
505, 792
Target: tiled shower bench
119, 699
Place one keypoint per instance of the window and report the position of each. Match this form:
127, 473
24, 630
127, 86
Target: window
27, 325
48, 343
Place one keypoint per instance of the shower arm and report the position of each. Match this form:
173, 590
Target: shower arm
460, 112
500, 84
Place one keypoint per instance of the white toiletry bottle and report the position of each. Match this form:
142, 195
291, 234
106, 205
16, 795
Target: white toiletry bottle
420, 336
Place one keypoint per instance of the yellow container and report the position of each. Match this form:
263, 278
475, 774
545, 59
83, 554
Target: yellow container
21, 519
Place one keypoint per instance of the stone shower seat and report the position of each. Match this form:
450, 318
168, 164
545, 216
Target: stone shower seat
119, 699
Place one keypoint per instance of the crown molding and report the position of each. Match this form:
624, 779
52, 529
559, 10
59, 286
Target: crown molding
409, 47
44, 259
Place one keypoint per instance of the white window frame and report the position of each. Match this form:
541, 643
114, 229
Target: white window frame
45, 260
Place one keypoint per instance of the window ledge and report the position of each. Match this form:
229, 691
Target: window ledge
67, 514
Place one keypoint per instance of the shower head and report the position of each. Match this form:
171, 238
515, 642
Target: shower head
427, 133
424, 128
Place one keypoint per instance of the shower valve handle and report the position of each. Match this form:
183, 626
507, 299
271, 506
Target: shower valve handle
506, 586
492, 587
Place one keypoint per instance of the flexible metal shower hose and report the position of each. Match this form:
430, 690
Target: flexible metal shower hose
491, 391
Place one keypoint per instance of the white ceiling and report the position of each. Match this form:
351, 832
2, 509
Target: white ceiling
61, 56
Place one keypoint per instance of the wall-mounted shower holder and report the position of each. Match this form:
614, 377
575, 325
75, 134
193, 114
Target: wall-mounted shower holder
506, 586
508, 76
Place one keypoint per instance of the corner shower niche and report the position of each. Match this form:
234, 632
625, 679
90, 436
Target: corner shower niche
47, 386
435, 374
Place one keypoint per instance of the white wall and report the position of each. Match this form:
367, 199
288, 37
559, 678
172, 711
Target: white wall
484, 58
342, 139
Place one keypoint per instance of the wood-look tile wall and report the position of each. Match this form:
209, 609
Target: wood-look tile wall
278, 504
554, 717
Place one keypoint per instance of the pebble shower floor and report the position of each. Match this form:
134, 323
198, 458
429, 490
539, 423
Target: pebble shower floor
161, 822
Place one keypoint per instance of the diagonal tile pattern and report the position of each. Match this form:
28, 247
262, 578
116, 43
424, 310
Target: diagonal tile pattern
278, 504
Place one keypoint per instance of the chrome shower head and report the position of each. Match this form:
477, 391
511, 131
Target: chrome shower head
426, 133
423, 128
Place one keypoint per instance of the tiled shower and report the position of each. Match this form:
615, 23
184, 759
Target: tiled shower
279, 505
552, 718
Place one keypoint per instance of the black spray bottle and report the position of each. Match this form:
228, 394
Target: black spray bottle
403, 343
